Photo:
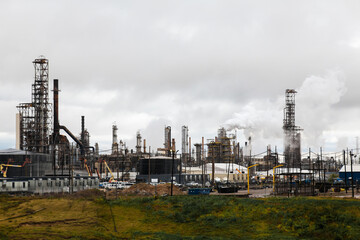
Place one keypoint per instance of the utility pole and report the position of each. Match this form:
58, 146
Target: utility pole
149, 180
180, 169
345, 171
267, 163
213, 166
172, 169
117, 164
203, 162
352, 176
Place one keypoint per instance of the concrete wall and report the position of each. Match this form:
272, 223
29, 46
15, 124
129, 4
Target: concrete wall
167, 178
14, 186
47, 185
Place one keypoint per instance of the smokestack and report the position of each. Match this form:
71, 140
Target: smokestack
96, 149
138, 142
145, 146
82, 129
56, 108
190, 148
202, 149
114, 131
167, 143
173, 144
184, 139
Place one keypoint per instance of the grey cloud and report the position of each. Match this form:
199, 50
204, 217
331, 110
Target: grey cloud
178, 62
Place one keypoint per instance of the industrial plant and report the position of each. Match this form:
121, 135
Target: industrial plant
51, 158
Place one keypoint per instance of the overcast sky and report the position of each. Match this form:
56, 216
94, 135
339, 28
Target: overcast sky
204, 64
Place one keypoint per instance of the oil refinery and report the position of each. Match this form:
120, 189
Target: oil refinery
51, 158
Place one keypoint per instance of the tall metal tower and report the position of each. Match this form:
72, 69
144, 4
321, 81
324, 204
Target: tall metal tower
138, 142
114, 132
35, 117
292, 140
114, 146
40, 100
167, 143
184, 139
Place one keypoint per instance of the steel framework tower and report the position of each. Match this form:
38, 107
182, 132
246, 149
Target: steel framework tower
35, 116
292, 140
40, 100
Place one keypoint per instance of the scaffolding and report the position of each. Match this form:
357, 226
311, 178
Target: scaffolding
292, 141
42, 107
35, 116
27, 125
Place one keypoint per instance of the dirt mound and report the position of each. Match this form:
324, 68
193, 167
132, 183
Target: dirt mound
144, 189
89, 194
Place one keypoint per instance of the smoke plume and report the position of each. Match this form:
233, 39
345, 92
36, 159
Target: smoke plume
263, 119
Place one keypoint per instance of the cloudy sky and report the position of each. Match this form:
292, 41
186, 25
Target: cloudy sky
204, 64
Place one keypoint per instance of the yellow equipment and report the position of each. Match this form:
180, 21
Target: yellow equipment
4, 170
112, 175
87, 168
4, 167
248, 176
274, 175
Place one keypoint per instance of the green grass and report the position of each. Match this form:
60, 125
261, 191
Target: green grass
179, 217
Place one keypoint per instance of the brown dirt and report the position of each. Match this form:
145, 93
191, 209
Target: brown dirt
89, 194
144, 189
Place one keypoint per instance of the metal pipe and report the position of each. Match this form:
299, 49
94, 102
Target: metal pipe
248, 177
56, 107
56, 121
72, 136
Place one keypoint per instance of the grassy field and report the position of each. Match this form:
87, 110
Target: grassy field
90, 216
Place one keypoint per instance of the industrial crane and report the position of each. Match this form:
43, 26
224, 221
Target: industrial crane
88, 168
4, 167
112, 175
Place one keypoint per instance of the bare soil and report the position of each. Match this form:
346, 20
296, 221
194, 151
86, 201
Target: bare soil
144, 189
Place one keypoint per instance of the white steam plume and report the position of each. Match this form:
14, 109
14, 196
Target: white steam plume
263, 119
314, 103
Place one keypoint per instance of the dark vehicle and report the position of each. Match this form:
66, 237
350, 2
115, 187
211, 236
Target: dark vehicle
227, 188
